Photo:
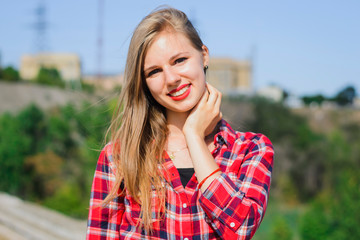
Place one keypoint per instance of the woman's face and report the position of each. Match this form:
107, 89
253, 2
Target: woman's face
174, 71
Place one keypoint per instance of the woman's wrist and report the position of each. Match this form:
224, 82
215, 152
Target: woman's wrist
192, 134
206, 178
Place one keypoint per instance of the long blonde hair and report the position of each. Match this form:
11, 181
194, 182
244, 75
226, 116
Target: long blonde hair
138, 130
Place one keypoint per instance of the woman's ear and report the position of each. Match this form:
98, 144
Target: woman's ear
205, 53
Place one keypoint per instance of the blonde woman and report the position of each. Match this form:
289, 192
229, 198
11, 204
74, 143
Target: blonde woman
174, 168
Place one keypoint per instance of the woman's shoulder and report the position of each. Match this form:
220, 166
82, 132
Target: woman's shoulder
106, 157
107, 149
252, 137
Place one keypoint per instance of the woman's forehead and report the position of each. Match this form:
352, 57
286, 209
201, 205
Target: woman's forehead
166, 44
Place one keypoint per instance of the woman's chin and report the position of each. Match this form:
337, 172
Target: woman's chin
183, 110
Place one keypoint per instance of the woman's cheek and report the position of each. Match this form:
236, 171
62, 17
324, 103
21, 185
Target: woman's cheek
156, 89
154, 85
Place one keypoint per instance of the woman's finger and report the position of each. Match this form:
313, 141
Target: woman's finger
218, 101
213, 94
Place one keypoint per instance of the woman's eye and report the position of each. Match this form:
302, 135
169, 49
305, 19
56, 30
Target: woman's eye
153, 72
180, 60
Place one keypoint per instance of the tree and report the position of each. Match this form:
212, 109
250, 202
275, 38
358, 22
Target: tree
281, 230
319, 99
49, 157
335, 214
345, 96
303, 149
315, 223
33, 125
9, 74
49, 76
13, 148
45, 169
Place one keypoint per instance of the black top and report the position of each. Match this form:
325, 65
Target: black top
185, 175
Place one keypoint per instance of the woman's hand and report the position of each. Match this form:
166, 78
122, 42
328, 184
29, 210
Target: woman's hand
205, 115
200, 123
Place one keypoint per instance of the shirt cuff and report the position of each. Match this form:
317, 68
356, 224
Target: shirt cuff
222, 200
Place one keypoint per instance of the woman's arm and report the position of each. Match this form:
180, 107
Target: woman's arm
104, 221
236, 205
235, 208
201, 122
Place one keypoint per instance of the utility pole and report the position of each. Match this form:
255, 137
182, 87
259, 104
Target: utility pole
40, 26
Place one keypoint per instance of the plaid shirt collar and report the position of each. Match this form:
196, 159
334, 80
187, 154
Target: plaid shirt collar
225, 135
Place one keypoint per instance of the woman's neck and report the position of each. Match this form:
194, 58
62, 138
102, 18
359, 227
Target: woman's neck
176, 120
175, 123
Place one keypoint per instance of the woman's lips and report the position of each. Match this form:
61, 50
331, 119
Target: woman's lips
181, 92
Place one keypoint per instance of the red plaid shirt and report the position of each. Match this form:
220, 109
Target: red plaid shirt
232, 207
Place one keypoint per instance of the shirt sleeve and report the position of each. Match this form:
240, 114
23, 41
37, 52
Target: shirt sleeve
104, 221
236, 201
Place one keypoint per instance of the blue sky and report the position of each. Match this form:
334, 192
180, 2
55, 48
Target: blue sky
305, 47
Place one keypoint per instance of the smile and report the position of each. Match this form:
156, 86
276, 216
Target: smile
180, 93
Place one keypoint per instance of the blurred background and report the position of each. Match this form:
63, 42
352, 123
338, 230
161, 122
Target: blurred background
287, 69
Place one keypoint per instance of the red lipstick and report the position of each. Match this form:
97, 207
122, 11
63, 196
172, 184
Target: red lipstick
183, 95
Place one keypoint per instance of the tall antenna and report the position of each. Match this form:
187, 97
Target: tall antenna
41, 26
100, 40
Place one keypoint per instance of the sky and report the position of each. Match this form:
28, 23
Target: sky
305, 47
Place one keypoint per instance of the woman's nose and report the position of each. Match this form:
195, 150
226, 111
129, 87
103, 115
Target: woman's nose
171, 75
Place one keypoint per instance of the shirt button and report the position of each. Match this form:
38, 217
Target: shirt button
184, 206
186, 239
232, 224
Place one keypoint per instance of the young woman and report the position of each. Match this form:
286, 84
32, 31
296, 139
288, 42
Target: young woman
174, 168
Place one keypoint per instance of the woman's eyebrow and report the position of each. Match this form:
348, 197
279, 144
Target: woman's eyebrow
149, 69
171, 58
177, 55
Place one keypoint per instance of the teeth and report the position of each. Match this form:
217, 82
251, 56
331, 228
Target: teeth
180, 92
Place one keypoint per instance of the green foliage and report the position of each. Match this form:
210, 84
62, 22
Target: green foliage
315, 224
335, 214
304, 147
87, 87
345, 96
14, 145
318, 99
280, 124
345, 204
281, 220
281, 230
50, 157
45, 170
288, 189
68, 200
49, 76
9, 74
342, 98
32, 124
92, 120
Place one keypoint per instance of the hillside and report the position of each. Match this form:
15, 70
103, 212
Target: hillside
16, 96
326, 120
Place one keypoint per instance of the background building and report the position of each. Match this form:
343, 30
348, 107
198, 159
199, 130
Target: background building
67, 64
231, 77
107, 82
271, 92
